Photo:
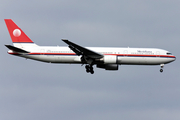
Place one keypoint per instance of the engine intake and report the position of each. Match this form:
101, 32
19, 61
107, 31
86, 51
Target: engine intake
110, 59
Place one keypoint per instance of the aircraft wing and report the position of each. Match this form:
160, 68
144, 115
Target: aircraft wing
79, 50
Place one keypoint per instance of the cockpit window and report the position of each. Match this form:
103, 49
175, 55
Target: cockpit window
169, 53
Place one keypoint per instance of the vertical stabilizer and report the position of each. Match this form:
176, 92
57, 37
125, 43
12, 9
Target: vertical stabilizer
19, 38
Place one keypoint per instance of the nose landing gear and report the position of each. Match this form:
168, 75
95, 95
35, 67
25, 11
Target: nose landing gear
162, 66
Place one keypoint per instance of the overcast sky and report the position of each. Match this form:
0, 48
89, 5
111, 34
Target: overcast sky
32, 90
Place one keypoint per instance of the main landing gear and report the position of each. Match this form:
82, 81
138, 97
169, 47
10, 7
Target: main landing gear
162, 66
89, 68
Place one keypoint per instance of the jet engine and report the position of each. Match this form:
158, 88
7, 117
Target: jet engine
108, 66
110, 59
108, 62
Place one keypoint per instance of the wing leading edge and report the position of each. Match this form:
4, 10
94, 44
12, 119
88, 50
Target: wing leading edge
79, 50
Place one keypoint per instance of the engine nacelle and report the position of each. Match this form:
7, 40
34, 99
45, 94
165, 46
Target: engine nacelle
108, 66
110, 59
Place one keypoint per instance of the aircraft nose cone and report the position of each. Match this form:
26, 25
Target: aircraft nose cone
173, 59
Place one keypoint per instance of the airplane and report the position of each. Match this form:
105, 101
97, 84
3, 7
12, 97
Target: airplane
108, 58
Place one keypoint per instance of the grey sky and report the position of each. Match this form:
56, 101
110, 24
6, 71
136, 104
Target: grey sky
34, 90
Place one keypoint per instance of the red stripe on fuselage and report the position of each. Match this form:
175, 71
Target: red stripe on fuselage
122, 55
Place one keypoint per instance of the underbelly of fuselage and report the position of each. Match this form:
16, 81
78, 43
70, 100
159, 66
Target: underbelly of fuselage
120, 60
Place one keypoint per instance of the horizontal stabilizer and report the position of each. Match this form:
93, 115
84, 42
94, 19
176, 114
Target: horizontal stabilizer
16, 49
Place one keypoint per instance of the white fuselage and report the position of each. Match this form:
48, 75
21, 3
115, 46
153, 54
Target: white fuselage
107, 58
136, 56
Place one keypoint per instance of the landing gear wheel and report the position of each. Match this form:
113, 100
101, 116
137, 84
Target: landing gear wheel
87, 66
89, 69
92, 72
162, 66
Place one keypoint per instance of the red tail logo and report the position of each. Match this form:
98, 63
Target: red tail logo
17, 35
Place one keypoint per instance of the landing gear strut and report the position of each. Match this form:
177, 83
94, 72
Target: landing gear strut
89, 62
162, 66
89, 68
